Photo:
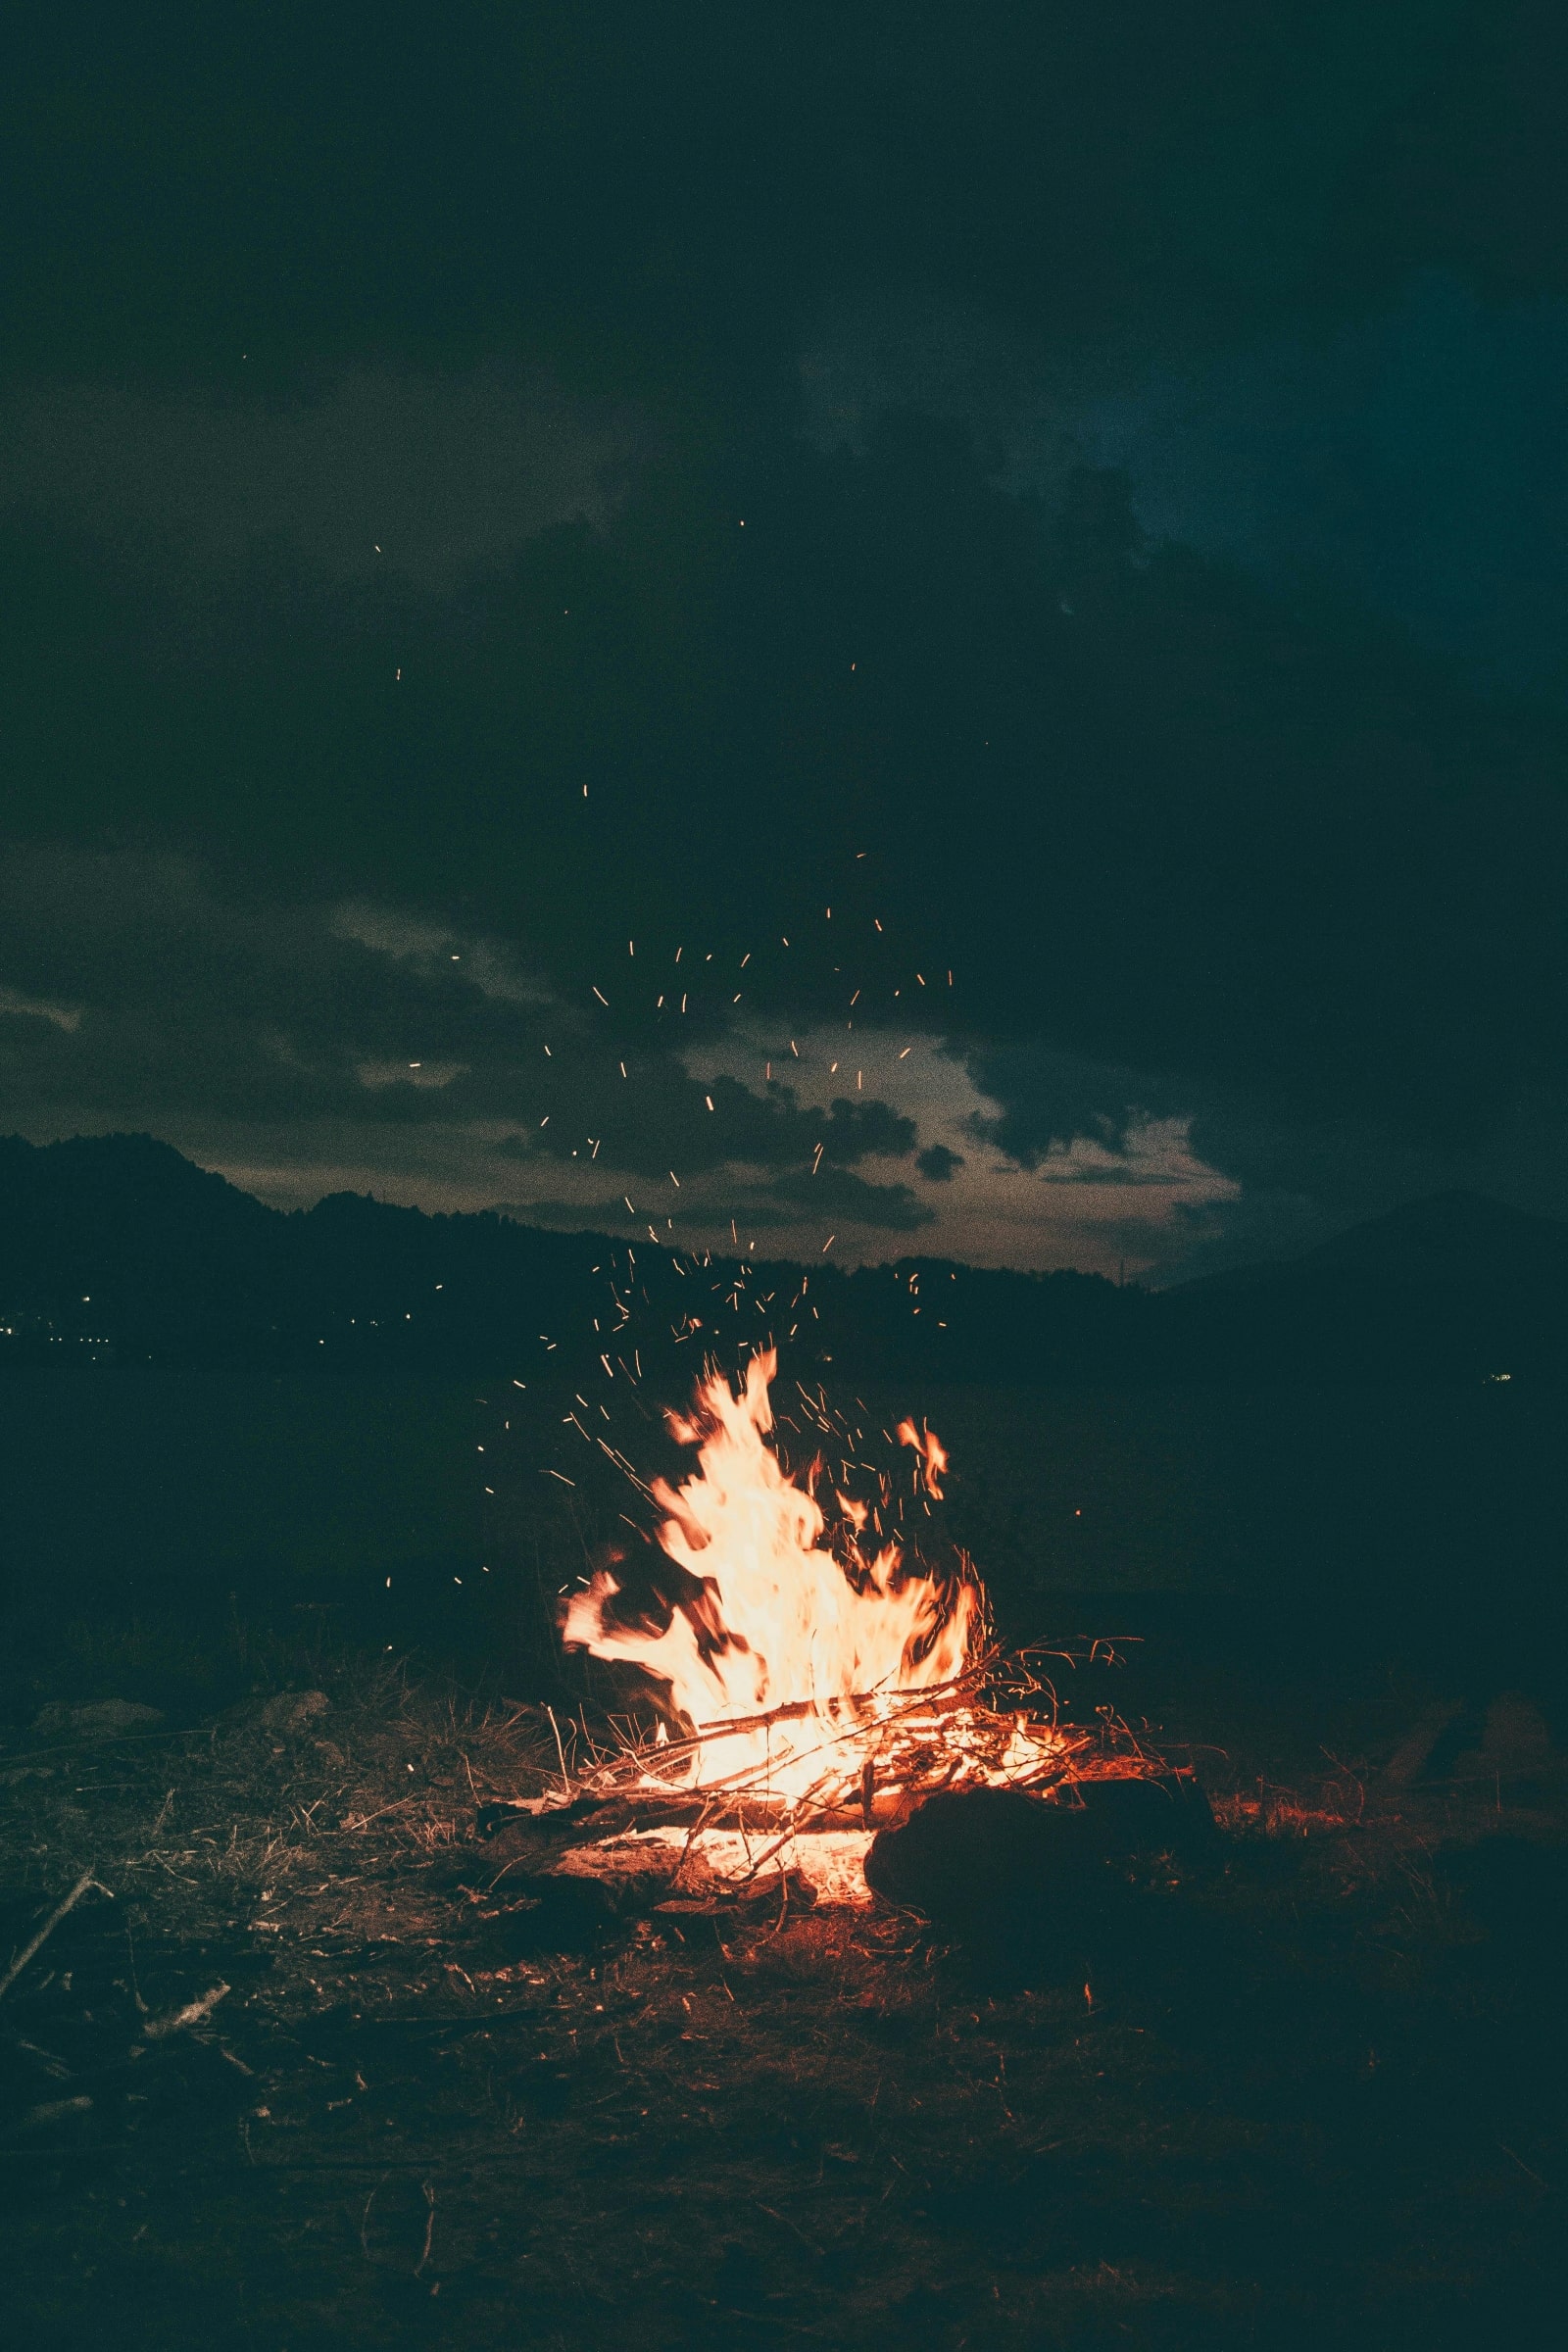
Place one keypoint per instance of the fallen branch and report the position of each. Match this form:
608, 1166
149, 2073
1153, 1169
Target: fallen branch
66, 1903
194, 2013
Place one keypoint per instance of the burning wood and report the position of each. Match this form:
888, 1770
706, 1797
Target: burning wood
816, 1677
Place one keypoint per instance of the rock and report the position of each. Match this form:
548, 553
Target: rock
1516, 1738
1458, 1744
1411, 1760
102, 1719
985, 1859
292, 1712
561, 1911
1515, 1745
1164, 1813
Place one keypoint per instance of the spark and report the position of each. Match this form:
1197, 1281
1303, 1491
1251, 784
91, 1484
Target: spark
603, 999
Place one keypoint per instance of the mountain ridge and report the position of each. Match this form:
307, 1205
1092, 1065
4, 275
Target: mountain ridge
1453, 1237
119, 1250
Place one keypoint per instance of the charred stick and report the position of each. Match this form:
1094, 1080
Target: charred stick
66, 1903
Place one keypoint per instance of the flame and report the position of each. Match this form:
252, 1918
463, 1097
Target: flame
775, 1615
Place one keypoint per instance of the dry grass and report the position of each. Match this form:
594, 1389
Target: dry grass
1321, 2093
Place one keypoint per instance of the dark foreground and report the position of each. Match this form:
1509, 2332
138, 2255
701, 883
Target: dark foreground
1318, 2096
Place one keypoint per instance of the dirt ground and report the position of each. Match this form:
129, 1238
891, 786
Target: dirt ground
298, 2070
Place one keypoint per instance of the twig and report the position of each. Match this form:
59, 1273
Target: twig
194, 2013
429, 2230
353, 1828
65, 1904
53, 2109
565, 1776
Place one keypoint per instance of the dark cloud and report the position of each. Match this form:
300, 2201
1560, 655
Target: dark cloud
133, 987
859, 503
687, 188
421, 479
801, 1199
792, 1202
1050, 1099
937, 1164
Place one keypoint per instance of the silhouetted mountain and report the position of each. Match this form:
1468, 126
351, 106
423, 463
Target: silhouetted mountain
1458, 1239
116, 1249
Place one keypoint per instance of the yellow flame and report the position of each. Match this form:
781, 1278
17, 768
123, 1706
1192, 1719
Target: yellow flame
774, 1620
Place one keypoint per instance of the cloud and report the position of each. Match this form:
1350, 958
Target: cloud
415, 478
794, 1202
139, 990
937, 1164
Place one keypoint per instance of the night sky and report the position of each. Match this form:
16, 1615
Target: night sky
927, 629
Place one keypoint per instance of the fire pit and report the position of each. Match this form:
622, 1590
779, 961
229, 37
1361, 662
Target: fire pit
816, 1677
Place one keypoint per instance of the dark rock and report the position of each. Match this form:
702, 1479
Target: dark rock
568, 1911
1163, 1813
292, 1712
1411, 1760
1510, 1742
982, 1860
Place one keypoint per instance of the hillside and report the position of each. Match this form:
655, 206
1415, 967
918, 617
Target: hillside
117, 1250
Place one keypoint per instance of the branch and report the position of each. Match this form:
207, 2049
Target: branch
66, 1903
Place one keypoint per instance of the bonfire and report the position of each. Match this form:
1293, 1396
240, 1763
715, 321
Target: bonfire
814, 1674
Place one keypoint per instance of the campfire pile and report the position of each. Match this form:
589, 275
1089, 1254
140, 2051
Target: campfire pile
817, 1680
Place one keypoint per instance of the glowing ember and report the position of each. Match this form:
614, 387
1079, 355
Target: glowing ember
813, 1661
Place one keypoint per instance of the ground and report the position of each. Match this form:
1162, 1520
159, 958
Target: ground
1317, 2094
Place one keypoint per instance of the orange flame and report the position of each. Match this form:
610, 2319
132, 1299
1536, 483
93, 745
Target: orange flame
770, 1618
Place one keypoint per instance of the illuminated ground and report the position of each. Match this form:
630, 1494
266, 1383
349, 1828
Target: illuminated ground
1319, 2098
